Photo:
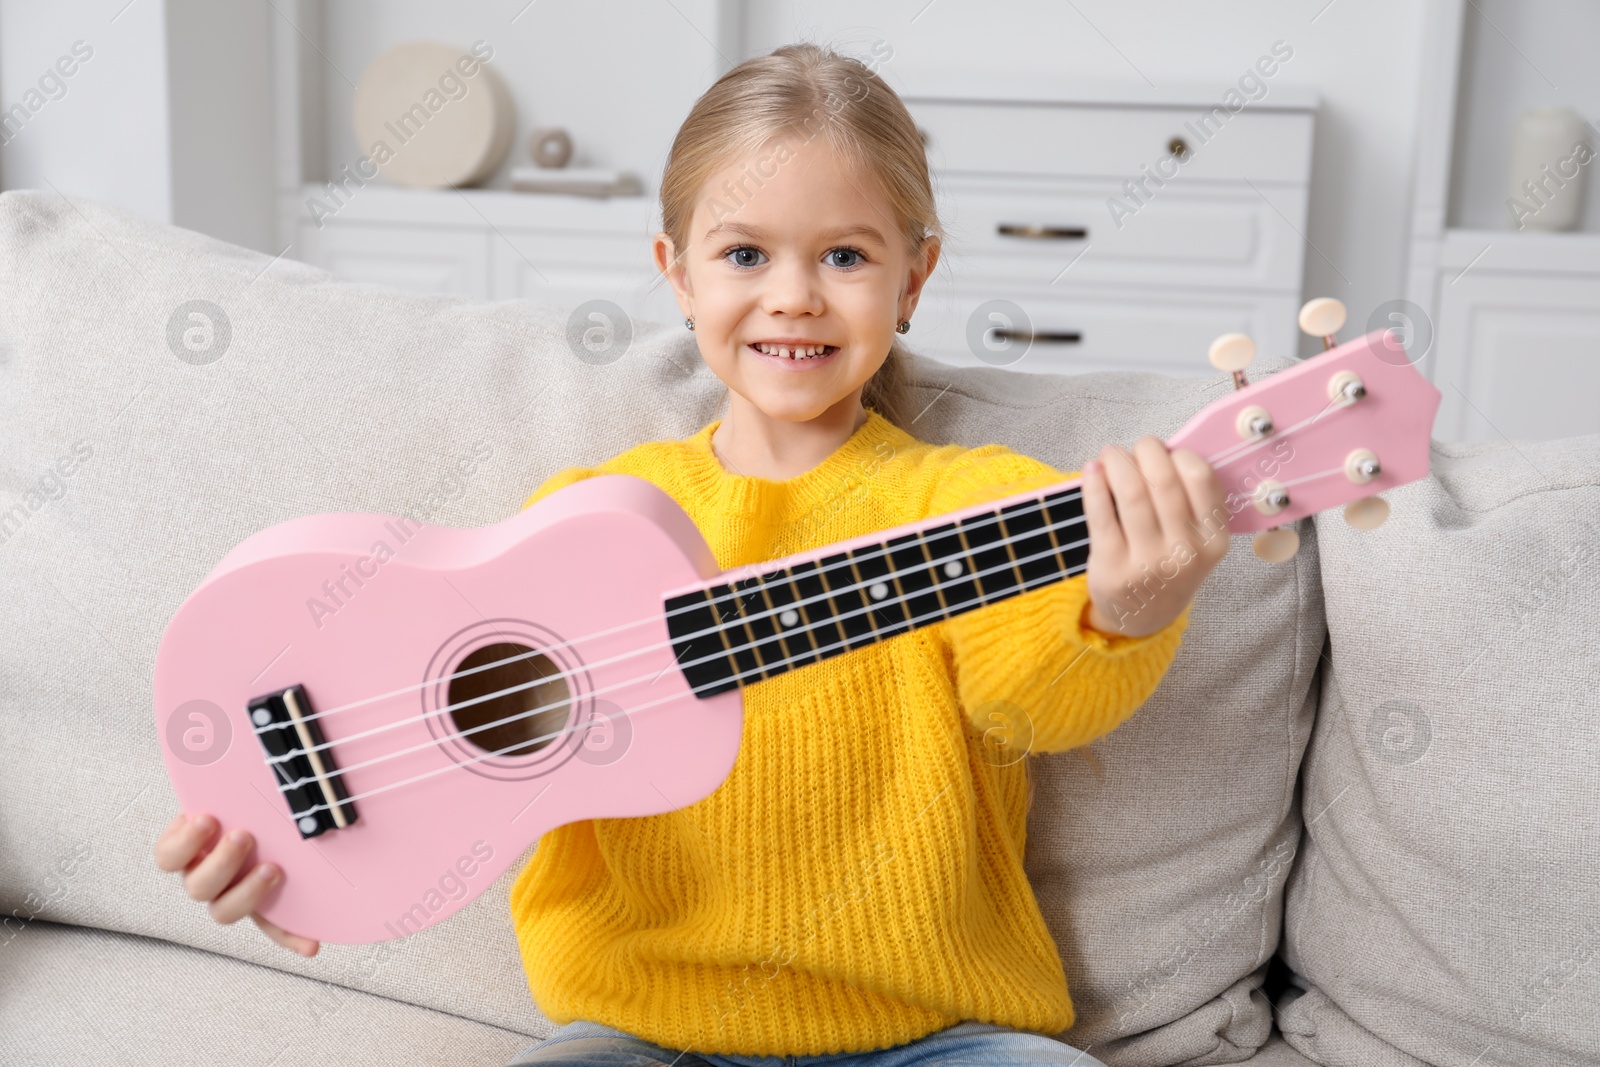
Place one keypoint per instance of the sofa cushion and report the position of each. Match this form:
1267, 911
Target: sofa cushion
1445, 907
81, 995
143, 443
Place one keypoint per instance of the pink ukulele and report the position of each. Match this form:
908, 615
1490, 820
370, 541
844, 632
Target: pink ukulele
396, 711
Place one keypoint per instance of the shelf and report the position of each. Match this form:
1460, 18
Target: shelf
956, 87
1569, 252
380, 203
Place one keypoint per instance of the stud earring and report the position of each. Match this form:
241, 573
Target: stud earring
905, 325
689, 322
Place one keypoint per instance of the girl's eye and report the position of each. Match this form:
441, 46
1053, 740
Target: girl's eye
742, 256
845, 252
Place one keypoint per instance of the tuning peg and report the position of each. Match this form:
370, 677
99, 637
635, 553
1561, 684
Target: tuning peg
1322, 318
1277, 544
1232, 352
1367, 513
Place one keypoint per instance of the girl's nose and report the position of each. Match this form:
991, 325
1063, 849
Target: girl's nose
792, 289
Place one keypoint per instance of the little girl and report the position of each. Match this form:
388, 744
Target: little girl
853, 893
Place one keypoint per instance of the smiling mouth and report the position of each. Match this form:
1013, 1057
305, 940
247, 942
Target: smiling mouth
795, 352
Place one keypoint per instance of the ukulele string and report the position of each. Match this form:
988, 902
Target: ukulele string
1244, 448
808, 628
1222, 458
490, 755
726, 653
761, 669
717, 601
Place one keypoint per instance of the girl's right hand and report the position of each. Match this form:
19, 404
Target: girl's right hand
210, 874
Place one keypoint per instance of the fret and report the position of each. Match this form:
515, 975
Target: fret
945, 543
1058, 537
812, 582
758, 627
1060, 511
980, 594
1011, 547
805, 624
860, 616
889, 615
937, 570
992, 559
797, 645
697, 656
1026, 524
915, 578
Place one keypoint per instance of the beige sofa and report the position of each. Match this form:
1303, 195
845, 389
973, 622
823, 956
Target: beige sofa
1358, 823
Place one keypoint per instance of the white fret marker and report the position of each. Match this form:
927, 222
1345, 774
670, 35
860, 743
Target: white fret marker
261, 716
307, 824
878, 591
790, 617
952, 568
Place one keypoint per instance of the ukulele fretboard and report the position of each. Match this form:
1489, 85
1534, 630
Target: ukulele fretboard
730, 634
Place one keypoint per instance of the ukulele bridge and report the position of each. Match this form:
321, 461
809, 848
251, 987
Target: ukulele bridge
301, 761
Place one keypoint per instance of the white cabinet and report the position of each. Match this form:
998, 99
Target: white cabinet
1034, 232
1518, 353
1090, 328
493, 245
427, 259
1015, 130
568, 269
1099, 234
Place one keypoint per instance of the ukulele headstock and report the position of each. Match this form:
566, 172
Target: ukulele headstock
1339, 428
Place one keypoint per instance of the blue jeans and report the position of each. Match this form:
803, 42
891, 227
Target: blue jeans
586, 1044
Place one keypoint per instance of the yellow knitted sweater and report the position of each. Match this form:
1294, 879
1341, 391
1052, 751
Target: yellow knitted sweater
857, 880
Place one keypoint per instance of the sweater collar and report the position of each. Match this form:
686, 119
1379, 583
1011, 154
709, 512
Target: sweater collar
856, 455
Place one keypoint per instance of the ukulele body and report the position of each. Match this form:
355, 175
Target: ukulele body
352, 606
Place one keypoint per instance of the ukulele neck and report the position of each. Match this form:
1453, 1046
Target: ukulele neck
726, 634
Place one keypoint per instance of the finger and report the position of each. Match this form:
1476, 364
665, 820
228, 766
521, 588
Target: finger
1140, 527
168, 836
303, 945
217, 871
244, 896
182, 841
1100, 516
1167, 490
1207, 498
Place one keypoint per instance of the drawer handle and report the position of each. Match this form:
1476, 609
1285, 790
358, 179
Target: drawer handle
1047, 233
1057, 336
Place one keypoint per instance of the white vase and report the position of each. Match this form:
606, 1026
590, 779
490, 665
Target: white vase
1550, 148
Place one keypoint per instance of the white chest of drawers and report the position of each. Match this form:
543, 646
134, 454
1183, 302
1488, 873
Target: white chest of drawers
1075, 239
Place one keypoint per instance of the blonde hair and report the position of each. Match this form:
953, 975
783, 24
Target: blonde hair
803, 89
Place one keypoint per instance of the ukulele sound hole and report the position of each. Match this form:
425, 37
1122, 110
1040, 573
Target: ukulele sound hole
530, 706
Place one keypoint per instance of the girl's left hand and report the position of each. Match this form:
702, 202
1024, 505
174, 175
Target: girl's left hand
1167, 530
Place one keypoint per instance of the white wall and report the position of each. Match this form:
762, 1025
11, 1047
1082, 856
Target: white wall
618, 75
187, 141
219, 88
1361, 55
106, 136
